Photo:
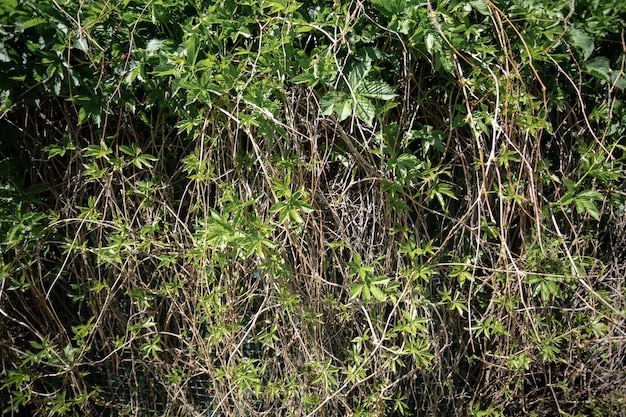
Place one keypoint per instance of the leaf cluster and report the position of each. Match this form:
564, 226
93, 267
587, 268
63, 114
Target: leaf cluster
312, 208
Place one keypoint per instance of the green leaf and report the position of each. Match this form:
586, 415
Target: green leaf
154, 45
379, 280
377, 293
355, 291
591, 194
81, 43
59, 149
144, 160
358, 74
277, 207
365, 110
305, 207
7, 6
164, 70
481, 7
599, 67
390, 8
331, 101
376, 89
192, 50
34, 22
4, 55
304, 78
130, 151
345, 110
581, 40
367, 294
295, 216
96, 151
588, 206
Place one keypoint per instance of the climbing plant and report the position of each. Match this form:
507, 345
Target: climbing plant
306, 208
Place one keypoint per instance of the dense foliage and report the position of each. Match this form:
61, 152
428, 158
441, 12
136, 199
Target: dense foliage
314, 208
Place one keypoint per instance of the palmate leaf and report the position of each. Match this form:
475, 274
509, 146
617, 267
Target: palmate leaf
379, 280
377, 293
356, 290
356, 101
344, 106
367, 294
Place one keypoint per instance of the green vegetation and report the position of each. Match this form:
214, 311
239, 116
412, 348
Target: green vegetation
313, 208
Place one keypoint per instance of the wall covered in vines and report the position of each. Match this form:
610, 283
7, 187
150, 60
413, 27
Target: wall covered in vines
315, 208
